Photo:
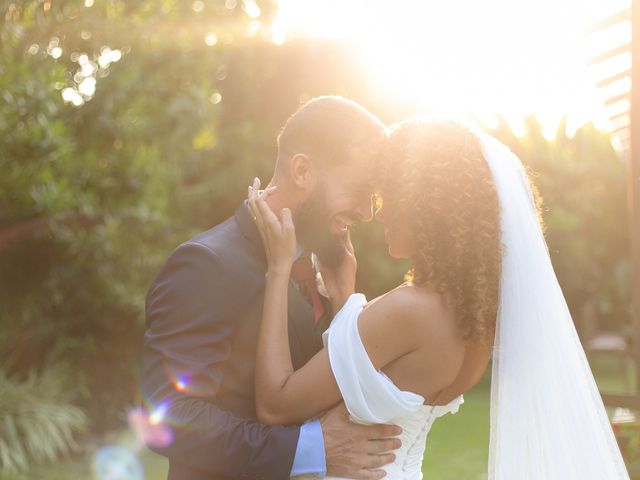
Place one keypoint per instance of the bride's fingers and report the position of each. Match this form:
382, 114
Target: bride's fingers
264, 227
272, 223
260, 212
251, 200
253, 195
257, 217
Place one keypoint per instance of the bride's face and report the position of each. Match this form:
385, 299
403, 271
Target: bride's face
396, 231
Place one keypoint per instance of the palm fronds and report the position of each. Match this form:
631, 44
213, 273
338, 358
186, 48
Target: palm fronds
37, 420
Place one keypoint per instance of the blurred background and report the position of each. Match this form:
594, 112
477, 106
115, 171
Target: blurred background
127, 127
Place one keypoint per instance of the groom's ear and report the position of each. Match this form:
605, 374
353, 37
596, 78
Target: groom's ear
302, 172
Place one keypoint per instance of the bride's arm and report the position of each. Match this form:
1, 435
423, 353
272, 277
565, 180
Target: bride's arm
284, 396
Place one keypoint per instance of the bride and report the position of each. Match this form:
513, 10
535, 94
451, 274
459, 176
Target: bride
459, 205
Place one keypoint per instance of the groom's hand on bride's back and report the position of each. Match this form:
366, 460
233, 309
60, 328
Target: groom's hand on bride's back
357, 451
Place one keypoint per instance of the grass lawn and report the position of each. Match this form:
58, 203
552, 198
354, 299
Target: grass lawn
457, 446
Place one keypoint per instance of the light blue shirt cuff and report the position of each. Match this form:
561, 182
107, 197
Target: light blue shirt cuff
309, 456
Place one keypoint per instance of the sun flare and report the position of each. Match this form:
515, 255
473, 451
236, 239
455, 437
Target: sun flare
499, 57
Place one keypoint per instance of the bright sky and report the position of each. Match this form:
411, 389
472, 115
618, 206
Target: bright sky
514, 57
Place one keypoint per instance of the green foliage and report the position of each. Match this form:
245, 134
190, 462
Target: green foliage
37, 420
583, 183
76, 192
95, 194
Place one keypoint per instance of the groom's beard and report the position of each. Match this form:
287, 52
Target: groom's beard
313, 226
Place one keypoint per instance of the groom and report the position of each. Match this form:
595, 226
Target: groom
204, 311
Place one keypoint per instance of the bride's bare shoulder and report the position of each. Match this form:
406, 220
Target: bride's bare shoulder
416, 310
410, 301
408, 320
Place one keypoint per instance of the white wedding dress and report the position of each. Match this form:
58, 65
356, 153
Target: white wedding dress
371, 397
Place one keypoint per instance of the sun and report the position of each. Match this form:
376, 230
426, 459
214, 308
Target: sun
463, 57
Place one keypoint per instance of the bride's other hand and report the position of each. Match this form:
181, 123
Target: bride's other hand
340, 280
278, 234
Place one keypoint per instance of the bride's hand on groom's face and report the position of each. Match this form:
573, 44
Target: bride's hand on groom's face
278, 234
340, 280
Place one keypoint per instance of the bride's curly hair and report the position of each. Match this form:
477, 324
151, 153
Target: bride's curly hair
433, 176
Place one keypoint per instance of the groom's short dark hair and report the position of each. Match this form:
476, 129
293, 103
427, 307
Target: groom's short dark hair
328, 129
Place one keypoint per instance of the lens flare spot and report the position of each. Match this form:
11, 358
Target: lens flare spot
152, 433
158, 414
113, 462
182, 383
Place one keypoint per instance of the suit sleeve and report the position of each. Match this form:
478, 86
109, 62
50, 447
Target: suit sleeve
192, 309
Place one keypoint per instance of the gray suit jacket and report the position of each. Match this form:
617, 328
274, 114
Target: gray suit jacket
203, 313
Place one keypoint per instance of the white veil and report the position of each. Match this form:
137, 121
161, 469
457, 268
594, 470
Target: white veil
548, 421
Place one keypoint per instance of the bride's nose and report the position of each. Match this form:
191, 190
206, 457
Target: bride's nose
364, 210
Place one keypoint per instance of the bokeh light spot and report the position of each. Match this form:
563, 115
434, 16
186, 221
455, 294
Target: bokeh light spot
198, 6
71, 95
87, 86
117, 463
211, 39
251, 8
